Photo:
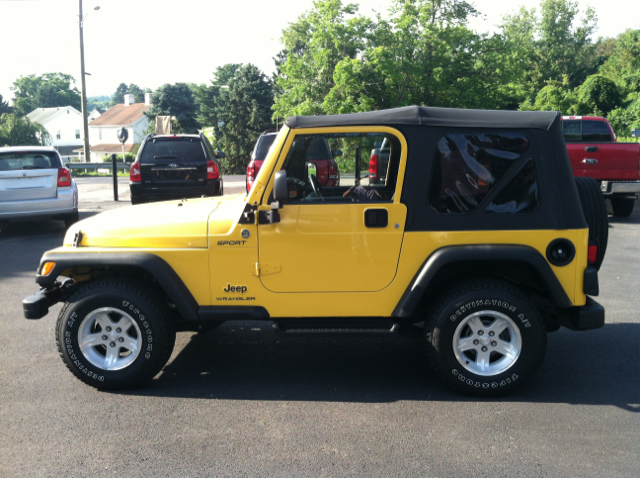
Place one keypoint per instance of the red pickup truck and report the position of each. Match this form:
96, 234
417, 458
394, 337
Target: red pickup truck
595, 152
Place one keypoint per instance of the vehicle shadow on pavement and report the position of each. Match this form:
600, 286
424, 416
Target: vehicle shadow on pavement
23, 242
248, 361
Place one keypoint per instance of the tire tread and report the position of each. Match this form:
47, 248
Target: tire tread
146, 295
451, 295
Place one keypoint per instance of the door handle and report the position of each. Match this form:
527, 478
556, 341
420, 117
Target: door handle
590, 161
376, 218
591, 149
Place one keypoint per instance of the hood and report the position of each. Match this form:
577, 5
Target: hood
168, 224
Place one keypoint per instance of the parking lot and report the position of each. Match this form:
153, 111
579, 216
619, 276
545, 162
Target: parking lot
242, 401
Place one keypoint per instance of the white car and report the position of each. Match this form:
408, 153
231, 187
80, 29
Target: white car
34, 183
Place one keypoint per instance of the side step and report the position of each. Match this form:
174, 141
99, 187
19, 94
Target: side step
336, 326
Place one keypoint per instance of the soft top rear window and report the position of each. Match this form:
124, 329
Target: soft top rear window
173, 149
468, 166
28, 160
262, 147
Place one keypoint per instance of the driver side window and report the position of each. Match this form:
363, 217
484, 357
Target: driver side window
342, 168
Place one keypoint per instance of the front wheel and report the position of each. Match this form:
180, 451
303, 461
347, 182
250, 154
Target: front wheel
485, 338
114, 334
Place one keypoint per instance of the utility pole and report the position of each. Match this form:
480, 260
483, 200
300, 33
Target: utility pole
85, 123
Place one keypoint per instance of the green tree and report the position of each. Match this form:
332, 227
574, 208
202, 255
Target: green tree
45, 91
423, 54
207, 95
555, 96
101, 102
625, 119
624, 62
175, 100
313, 46
4, 106
599, 94
554, 45
124, 89
17, 131
238, 105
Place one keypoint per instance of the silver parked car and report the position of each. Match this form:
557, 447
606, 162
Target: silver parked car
34, 182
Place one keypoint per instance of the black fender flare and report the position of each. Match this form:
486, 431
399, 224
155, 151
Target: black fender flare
168, 279
491, 253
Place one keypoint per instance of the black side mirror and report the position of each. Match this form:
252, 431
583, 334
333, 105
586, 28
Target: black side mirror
336, 153
219, 154
280, 188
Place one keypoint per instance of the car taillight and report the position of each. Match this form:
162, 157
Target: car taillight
333, 171
212, 170
593, 252
373, 166
134, 174
64, 177
251, 171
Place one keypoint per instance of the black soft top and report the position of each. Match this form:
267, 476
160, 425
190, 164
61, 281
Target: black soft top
429, 116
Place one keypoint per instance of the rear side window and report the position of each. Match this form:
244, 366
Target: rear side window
572, 130
28, 160
174, 149
262, 147
595, 131
468, 166
585, 131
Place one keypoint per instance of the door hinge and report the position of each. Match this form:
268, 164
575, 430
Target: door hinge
263, 269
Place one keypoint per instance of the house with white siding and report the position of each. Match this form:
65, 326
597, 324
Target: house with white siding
103, 136
64, 124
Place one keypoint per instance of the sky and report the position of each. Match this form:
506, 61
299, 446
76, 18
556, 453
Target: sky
153, 42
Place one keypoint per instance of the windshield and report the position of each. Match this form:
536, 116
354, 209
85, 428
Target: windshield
28, 160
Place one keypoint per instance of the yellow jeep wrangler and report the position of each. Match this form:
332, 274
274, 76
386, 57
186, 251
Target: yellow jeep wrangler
475, 233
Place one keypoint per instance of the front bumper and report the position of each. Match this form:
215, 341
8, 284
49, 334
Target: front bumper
37, 305
583, 318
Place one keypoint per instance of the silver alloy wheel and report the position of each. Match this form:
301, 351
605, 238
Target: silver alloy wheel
487, 343
109, 338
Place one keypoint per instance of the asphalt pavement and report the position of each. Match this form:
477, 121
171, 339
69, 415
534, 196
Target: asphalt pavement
242, 401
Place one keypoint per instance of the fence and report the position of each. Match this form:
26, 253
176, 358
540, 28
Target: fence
107, 165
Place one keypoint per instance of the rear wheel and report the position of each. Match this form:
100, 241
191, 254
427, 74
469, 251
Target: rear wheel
485, 338
622, 207
114, 334
595, 212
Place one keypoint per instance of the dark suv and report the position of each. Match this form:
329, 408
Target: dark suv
170, 167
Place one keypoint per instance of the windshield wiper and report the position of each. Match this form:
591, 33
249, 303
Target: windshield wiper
165, 157
35, 168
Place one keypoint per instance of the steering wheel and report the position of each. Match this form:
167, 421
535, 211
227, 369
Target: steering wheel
315, 185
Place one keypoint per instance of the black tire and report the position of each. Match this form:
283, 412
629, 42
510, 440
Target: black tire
485, 306
145, 327
622, 207
595, 212
70, 220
